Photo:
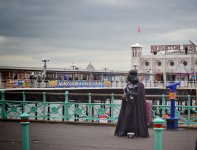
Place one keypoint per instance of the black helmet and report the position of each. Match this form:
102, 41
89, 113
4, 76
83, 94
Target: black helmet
133, 76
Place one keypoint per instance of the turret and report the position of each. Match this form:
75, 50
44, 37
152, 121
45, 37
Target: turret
136, 53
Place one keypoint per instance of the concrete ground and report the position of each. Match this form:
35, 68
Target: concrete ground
61, 136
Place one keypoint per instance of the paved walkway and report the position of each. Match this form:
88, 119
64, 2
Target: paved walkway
61, 136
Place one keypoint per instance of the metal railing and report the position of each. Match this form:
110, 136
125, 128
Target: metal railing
87, 107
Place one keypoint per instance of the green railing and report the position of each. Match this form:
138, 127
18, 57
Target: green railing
90, 109
186, 109
67, 110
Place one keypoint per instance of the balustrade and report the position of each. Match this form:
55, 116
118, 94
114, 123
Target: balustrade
68, 107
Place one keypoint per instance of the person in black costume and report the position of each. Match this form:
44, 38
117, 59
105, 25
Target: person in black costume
132, 117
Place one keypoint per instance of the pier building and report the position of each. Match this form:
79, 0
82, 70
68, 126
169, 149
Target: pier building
165, 64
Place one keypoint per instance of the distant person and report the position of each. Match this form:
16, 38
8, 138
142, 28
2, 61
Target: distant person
133, 117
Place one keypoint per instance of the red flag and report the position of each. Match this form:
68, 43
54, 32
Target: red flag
138, 29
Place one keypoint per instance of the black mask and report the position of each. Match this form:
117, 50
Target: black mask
132, 77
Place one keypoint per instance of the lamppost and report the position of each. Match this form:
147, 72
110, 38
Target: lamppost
45, 60
105, 69
73, 66
194, 66
149, 77
135, 65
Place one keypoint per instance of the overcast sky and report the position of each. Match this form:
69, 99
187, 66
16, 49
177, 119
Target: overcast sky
96, 31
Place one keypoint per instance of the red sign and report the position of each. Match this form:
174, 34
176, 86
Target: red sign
158, 126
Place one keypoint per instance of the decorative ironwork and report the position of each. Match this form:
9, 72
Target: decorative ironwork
90, 111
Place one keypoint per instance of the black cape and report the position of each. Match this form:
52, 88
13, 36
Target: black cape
132, 117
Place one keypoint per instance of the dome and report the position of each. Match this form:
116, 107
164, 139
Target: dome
90, 67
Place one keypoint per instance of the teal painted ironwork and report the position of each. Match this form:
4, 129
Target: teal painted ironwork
3, 102
89, 107
184, 118
25, 131
23, 103
66, 107
112, 108
188, 110
158, 128
87, 111
44, 103
163, 103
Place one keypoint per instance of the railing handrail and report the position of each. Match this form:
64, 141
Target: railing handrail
86, 94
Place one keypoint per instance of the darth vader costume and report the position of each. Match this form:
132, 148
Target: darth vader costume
132, 117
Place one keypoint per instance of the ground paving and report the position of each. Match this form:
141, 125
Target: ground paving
61, 136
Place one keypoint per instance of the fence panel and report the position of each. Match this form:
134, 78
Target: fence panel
92, 110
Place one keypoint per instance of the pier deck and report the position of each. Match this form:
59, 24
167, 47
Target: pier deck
61, 136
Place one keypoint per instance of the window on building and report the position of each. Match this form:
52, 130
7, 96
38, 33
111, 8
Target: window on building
146, 63
171, 63
185, 63
135, 54
158, 63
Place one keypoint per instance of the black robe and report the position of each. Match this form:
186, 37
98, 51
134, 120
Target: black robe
132, 117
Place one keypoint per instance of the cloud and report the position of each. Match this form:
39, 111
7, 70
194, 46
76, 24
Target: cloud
180, 34
90, 30
2, 39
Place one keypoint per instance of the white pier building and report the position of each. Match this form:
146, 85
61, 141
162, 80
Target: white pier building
166, 64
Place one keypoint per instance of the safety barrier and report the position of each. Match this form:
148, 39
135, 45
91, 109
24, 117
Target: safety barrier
64, 108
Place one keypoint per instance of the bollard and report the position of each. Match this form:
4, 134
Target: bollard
158, 128
25, 131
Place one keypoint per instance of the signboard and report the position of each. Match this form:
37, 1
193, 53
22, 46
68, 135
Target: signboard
157, 48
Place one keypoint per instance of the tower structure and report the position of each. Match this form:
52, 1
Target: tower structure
136, 53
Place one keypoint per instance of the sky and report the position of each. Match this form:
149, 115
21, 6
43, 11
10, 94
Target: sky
96, 31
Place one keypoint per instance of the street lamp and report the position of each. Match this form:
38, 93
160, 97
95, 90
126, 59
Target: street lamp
45, 60
74, 67
135, 65
105, 69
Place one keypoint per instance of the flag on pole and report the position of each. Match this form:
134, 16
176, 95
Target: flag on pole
138, 29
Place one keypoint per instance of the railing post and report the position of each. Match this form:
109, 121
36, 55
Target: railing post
188, 110
25, 131
44, 105
158, 128
112, 107
3, 110
24, 101
89, 107
66, 107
